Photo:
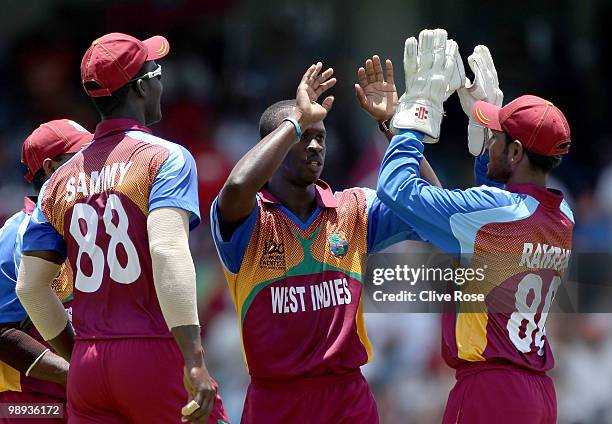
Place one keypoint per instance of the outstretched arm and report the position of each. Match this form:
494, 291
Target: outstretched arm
433, 212
237, 197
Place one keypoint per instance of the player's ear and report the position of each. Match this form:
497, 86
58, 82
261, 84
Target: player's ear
48, 167
139, 85
516, 151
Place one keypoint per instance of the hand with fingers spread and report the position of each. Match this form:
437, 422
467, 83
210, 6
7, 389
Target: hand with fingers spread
433, 70
485, 87
313, 84
377, 96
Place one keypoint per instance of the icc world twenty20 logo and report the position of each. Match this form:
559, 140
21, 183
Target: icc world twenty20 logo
338, 244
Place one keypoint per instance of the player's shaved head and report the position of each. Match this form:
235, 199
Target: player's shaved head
274, 115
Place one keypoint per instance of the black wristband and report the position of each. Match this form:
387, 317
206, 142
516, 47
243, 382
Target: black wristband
384, 126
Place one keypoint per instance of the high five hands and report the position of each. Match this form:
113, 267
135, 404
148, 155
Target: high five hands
375, 94
313, 84
433, 70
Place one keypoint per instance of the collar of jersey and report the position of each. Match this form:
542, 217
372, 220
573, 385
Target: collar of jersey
111, 126
324, 194
548, 197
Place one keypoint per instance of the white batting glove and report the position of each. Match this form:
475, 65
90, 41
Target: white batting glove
485, 87
433, 71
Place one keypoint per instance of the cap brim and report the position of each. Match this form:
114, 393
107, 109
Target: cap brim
487, 115
157, 47
82, 142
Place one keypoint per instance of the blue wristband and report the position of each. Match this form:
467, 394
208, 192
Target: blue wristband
296, 125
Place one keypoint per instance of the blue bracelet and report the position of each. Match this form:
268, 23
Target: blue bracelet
296, 125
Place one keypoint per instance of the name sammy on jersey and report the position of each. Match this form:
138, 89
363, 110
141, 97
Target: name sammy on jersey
544, 256
324, 295
109, 177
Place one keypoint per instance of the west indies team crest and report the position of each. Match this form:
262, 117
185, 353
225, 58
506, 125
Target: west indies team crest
338, 244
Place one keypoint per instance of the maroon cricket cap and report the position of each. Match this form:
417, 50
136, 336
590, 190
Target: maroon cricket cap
538, 124
114, 59
51, 139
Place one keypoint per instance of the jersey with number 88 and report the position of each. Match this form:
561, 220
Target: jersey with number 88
94, 211
124, 274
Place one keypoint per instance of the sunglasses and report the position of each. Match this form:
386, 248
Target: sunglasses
156, 73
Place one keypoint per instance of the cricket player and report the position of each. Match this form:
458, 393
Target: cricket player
120, 212
29, 371
520, 235
293, 254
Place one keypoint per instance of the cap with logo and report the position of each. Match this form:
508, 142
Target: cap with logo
51, 139
114, 59
538, 124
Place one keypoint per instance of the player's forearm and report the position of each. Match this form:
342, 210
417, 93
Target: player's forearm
64, 342
426, 171
189, 341
173, 269
18, 349
38, 298
237, 197
428, 174
30, 357
50, 367
400, 169
400, 186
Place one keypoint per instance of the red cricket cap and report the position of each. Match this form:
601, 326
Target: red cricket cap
538, 124
114, 59
51, 139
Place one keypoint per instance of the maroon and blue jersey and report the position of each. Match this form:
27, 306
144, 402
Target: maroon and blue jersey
93, 211
521, 236
297, 286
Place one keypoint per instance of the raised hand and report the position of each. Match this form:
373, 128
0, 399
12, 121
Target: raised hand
486, 84
433, 71
313, 84
484, 87
377, 96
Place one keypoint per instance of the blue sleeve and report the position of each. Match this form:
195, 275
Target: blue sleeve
11, 309
231, 252
429, 209
176, 184
384, 226
41, 235
480, 171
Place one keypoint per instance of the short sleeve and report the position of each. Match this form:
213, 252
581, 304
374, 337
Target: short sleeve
384, 226
41, 235
231, 252
11, 309
176, 184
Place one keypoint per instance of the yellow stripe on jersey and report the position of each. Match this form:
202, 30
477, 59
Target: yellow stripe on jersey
471, 335
361, 331
9, 378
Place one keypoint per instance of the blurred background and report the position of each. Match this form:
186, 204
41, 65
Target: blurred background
230, 59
